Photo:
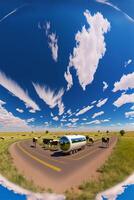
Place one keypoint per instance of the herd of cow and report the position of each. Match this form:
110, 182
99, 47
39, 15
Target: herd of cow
54, 143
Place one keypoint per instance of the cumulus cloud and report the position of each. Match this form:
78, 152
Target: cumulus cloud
17, 91
127, 62
52, 42
101, 102
84, 110
124, 99
19, 110
97, 114
129, 114
107, 2
126, 82
50, 97
90, 48
105, 85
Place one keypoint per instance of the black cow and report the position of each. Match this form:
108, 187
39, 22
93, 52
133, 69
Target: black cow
105, 141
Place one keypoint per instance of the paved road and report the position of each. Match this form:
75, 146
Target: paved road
53, 169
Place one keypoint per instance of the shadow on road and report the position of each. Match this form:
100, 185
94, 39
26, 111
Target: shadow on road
58, 154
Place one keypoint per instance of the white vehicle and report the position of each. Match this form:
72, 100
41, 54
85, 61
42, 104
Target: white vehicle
72, 143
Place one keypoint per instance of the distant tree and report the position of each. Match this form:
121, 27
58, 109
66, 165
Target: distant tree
107, 131
122, 132
98, 131
47, 131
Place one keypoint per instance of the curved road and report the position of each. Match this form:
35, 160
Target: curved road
52, 169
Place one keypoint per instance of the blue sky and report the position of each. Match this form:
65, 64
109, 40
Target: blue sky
66, 65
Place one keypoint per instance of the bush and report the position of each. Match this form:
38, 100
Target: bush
122, 132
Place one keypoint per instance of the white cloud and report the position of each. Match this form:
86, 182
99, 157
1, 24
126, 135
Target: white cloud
93, 102
69, 112
48, 26
61, 107
51, 114
105, 85
11, 13
17, 91
101, 102
84, 119
84, 110
73, 120
98, 121
98, 114
69, 79
10, 122
32, 111
19, 110
107, 2
126, 82
132, 108
2, 102
129, 114
55, 118
63, 120
50, 97
90, 48
52, 42
127, 62
124, 99
30, 120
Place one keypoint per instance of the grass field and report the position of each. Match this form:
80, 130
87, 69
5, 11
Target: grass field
119, 165
116, 169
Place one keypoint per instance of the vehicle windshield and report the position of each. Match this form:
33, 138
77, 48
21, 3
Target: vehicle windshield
64, 144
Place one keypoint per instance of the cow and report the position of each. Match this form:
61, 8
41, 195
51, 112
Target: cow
90, 139
2, 138
105, 141
47, 141
54, 143
35, 139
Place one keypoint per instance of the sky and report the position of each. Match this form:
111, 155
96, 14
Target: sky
66, 65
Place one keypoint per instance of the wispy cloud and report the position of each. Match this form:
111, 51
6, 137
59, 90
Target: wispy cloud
84, 110
50, 97
55, 118
19, 110
52, 41
108, 3
105, 85
90, 48
12, 12
98, 121
126, 82
97, 114
129, 114
73, 120
101, 102
17, 91
127, 62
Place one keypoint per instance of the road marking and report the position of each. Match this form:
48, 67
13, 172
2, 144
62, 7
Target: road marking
51, 159
38, 160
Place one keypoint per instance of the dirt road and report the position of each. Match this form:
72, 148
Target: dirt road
53, 169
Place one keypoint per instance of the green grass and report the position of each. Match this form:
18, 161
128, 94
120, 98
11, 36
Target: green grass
119, 165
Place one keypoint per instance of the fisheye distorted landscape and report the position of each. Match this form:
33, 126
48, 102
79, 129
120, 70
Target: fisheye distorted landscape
66, 97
